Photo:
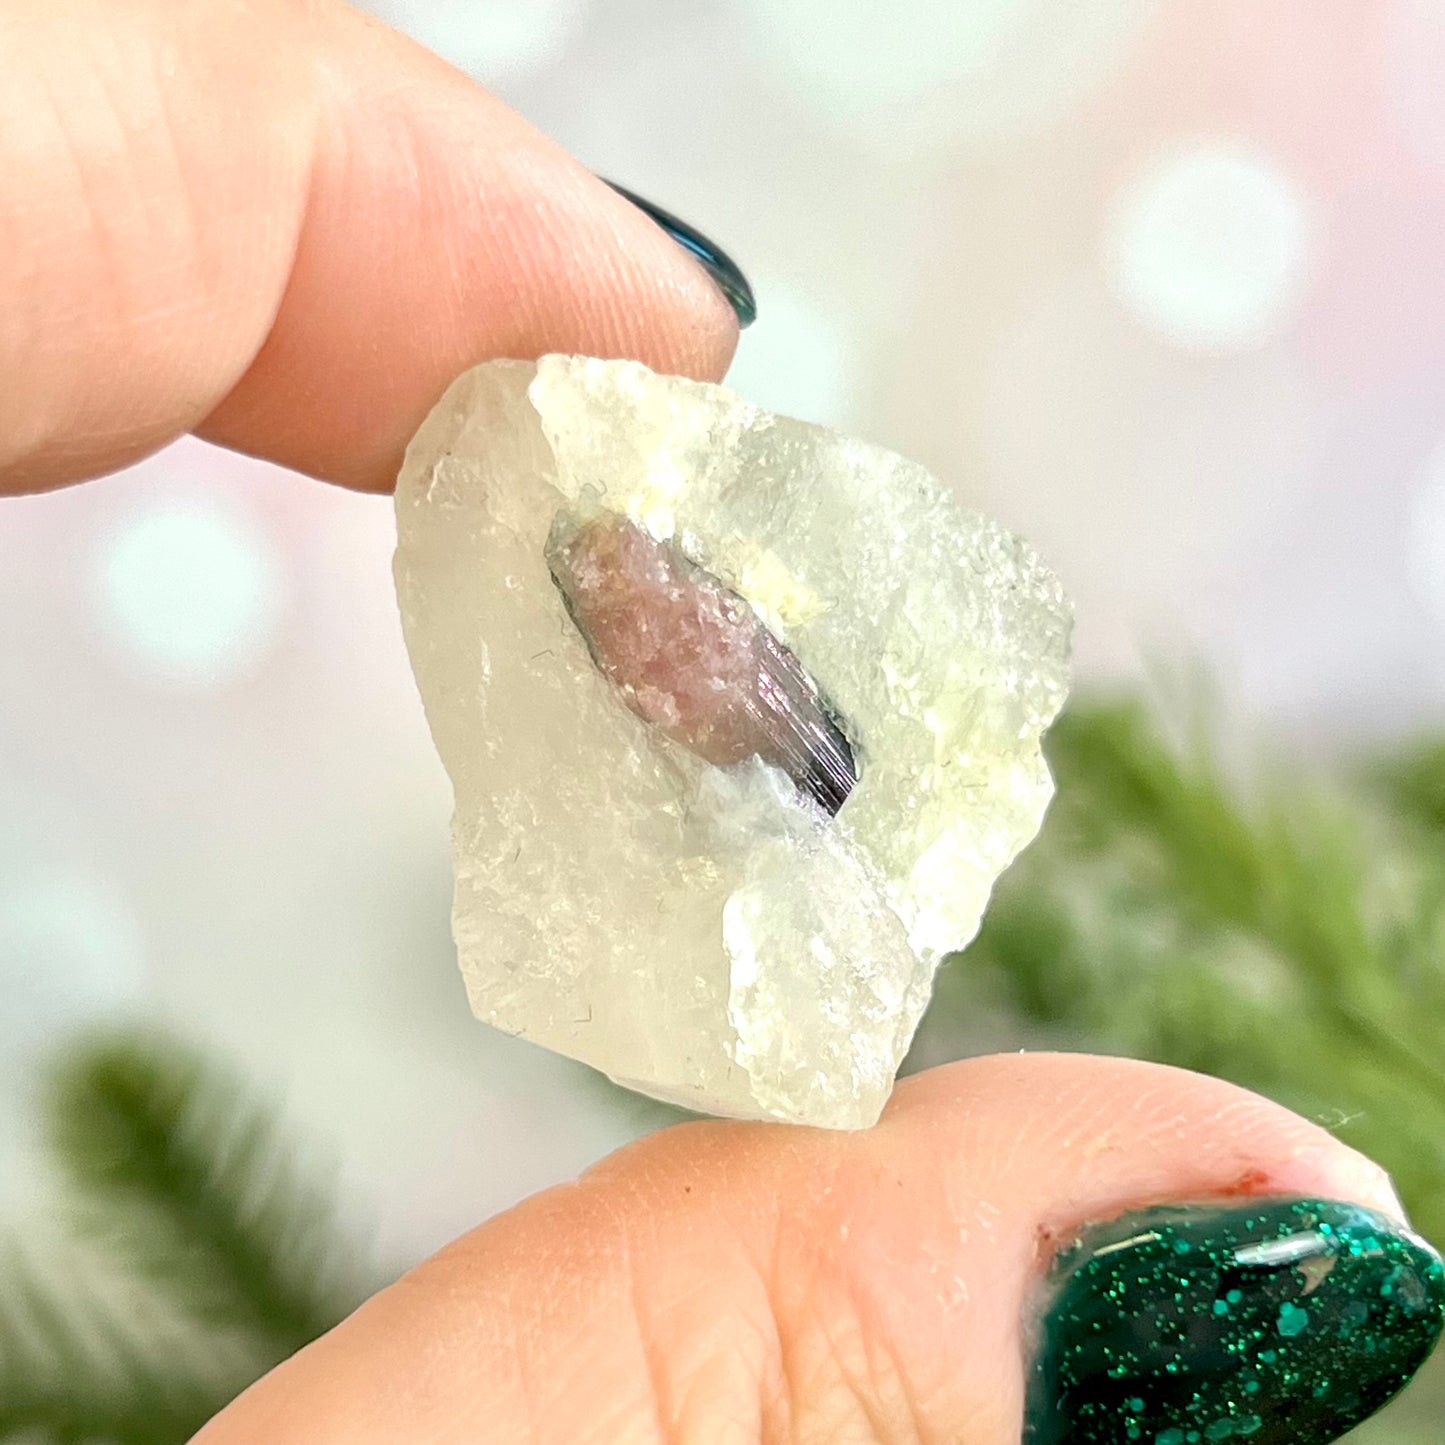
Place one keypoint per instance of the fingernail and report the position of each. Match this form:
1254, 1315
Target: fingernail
1278, 1322
715, 261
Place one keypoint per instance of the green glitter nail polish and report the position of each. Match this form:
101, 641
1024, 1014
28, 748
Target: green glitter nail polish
1278, 1322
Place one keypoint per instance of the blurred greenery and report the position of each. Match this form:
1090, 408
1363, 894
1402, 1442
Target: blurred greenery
1292, 943
195, 1254
1281, 930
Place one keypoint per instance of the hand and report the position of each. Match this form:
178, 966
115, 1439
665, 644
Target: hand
284, 227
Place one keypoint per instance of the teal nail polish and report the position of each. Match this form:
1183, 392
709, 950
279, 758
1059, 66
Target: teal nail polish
1277, 1322
724, 271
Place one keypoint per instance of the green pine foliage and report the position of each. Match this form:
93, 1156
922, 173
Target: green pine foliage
1262, 928
74, 1369
187, 1175
1414, 785
217, 1258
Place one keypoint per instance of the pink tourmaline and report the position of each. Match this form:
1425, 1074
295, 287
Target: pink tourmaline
692, 658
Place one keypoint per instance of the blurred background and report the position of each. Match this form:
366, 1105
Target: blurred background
1158, 284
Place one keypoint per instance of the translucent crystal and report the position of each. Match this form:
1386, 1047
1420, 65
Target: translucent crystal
641, 613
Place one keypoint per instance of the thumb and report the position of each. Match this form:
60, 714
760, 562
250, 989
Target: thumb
751, 1282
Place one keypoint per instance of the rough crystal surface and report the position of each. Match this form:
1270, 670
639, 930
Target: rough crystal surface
704, 931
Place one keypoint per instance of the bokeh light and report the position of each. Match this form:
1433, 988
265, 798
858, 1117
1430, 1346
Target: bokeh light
913, 74
1210, 247
192, 594
1098, 435
500, 42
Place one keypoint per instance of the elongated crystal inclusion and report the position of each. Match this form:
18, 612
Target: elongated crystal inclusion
692, 658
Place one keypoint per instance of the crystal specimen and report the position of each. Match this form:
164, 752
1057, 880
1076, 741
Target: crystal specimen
742, 718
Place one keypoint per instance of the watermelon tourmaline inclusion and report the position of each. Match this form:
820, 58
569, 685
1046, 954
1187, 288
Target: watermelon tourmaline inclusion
691, 657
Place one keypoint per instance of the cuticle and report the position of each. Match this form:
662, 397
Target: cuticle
1052, 1240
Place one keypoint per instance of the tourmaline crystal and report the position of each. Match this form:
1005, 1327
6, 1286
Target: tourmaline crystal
694, 658
742, 717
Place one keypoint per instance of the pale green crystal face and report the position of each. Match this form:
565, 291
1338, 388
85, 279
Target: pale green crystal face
704, 933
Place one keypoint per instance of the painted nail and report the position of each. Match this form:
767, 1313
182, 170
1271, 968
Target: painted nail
715, 261
1278, 1322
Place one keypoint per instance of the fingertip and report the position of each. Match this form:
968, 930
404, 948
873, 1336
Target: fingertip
1096, 1136
442, 230
1348, 1175
885, 1280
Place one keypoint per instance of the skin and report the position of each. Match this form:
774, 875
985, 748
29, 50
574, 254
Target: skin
282, 226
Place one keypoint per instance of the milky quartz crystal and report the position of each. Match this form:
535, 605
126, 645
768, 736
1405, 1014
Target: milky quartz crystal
742, 718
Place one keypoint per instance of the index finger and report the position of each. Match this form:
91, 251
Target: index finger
286, 227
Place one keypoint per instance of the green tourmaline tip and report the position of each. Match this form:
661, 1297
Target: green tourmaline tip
1274, 1322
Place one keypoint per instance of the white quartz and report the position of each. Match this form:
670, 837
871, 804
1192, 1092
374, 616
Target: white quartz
705, 934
